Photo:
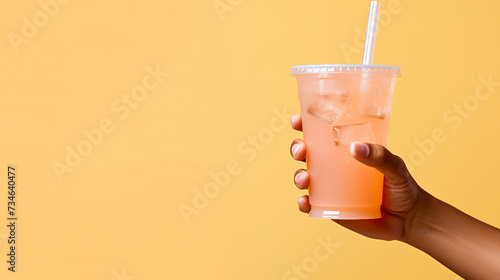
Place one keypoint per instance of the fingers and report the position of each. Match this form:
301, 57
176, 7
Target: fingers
303, 202
301, 179
296, 121
298, 150
377, 156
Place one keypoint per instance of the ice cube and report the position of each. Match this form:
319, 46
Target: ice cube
376, 104
349, 114
376, 110
346, 134
328, 109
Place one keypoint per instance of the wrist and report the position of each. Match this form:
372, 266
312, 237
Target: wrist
417, 219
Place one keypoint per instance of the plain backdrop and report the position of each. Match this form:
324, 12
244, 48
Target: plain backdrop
190, 176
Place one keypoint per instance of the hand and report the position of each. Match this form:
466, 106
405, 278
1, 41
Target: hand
401, 194
464, 244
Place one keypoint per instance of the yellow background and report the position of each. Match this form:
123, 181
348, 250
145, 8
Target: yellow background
116, 215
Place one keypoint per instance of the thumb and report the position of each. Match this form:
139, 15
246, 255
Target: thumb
377, 156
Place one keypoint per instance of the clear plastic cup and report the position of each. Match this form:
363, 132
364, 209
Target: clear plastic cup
341, 104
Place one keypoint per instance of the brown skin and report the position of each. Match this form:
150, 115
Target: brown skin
465, 245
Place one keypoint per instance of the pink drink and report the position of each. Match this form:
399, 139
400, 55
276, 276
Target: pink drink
341, 104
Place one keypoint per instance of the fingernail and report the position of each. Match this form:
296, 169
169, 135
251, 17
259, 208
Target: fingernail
294, 117
295, 148
359, 150
297, 178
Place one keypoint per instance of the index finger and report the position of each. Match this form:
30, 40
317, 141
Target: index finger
296, 121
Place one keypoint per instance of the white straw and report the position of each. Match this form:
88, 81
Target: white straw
371, 32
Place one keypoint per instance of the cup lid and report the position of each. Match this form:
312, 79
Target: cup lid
345, 68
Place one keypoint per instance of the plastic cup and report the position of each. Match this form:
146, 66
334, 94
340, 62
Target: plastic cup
341, 104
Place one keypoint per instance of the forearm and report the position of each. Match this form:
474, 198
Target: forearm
464, 244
